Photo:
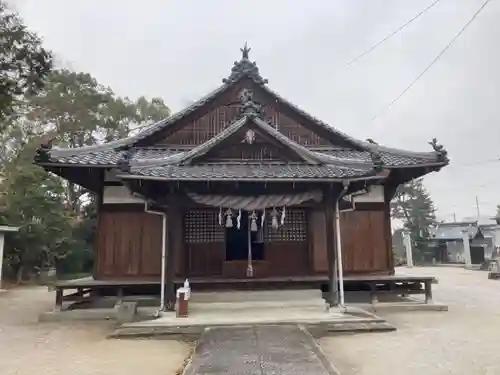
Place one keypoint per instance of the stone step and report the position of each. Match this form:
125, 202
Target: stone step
309, 304
257, 295
359, 327
317, 327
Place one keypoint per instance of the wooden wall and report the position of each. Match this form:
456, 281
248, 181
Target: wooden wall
129, 246
217, 115
366, 247
128, 243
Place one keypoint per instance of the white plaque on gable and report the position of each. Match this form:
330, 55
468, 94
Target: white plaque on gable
119, 195
375, 194
110, 175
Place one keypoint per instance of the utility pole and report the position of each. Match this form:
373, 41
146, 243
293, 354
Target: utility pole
477, 208
454, 217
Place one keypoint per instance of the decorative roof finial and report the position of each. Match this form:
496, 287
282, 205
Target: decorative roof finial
43, 152
377, 161
248, 106
245, 51
245, 68
124, 162
439, 150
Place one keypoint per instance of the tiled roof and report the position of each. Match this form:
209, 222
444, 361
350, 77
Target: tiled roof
249, 171
111, 153
314, 165
110, 157
389, 157
453, 231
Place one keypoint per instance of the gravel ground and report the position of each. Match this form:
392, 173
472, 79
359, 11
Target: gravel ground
28, 347
463, 341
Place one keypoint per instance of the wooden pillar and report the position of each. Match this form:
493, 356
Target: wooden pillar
329, 200
172, 251
389, 191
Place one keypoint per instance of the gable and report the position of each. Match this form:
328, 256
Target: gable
224, 109
248, 144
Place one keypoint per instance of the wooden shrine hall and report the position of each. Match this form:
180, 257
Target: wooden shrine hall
240, 188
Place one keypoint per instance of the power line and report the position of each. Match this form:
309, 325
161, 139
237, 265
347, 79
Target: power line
379, 43
361, 55
432, 62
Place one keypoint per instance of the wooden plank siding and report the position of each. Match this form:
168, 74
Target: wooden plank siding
128, 244
365, 246
224, 111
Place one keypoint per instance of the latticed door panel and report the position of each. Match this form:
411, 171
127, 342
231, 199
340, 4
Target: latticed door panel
202, 226
294, 228
204, 239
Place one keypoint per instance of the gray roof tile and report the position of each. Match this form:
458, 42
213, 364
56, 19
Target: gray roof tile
250, 171
453, 231
389, 158
112, 157
111, 153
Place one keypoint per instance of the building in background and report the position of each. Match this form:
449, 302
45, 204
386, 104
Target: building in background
447, 244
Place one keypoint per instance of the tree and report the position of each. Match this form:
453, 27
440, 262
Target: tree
34, 201
57, 218
413, 205
76, 110
24, 63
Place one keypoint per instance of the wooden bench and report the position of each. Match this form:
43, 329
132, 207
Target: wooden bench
90, 289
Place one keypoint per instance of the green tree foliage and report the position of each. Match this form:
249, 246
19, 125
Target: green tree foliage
76, 110
413, 205
34, 201
57, 218
24, 63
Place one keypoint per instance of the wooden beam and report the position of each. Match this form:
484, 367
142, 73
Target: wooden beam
389, 190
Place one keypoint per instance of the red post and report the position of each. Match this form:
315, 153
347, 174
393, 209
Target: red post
182, 304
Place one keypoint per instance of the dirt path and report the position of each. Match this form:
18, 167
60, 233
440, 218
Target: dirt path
463, 341
28, 347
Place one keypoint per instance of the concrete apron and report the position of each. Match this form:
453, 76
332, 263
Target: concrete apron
249, 308
317, 319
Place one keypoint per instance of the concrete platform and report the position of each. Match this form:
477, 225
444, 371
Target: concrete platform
240, 302
318, 320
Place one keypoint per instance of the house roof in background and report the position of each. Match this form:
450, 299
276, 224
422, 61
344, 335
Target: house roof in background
454, 231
